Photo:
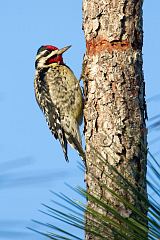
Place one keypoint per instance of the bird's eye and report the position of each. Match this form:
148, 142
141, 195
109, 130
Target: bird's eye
46, 52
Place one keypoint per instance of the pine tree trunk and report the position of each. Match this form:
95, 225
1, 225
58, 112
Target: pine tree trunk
114, 110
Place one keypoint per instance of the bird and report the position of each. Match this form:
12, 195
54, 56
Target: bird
59, 96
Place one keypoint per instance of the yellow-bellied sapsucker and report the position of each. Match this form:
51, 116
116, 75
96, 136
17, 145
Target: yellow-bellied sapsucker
59, 96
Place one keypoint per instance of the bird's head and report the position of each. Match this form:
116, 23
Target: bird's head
48, 54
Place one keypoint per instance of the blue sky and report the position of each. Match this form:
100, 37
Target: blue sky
28, 150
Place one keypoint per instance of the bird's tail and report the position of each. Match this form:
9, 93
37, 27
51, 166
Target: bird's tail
73, 137
76, 145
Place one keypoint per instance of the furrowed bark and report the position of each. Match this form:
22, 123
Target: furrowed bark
114, 90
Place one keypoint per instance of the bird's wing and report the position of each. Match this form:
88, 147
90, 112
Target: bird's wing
54, 123
50, 111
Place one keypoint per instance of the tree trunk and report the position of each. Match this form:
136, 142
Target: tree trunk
114, 110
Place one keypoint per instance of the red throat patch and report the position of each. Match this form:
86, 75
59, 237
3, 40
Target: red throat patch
55, 59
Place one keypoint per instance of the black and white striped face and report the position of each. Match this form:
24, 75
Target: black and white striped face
48, 54
43, 54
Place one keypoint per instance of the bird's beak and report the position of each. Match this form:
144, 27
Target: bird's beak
62, 50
